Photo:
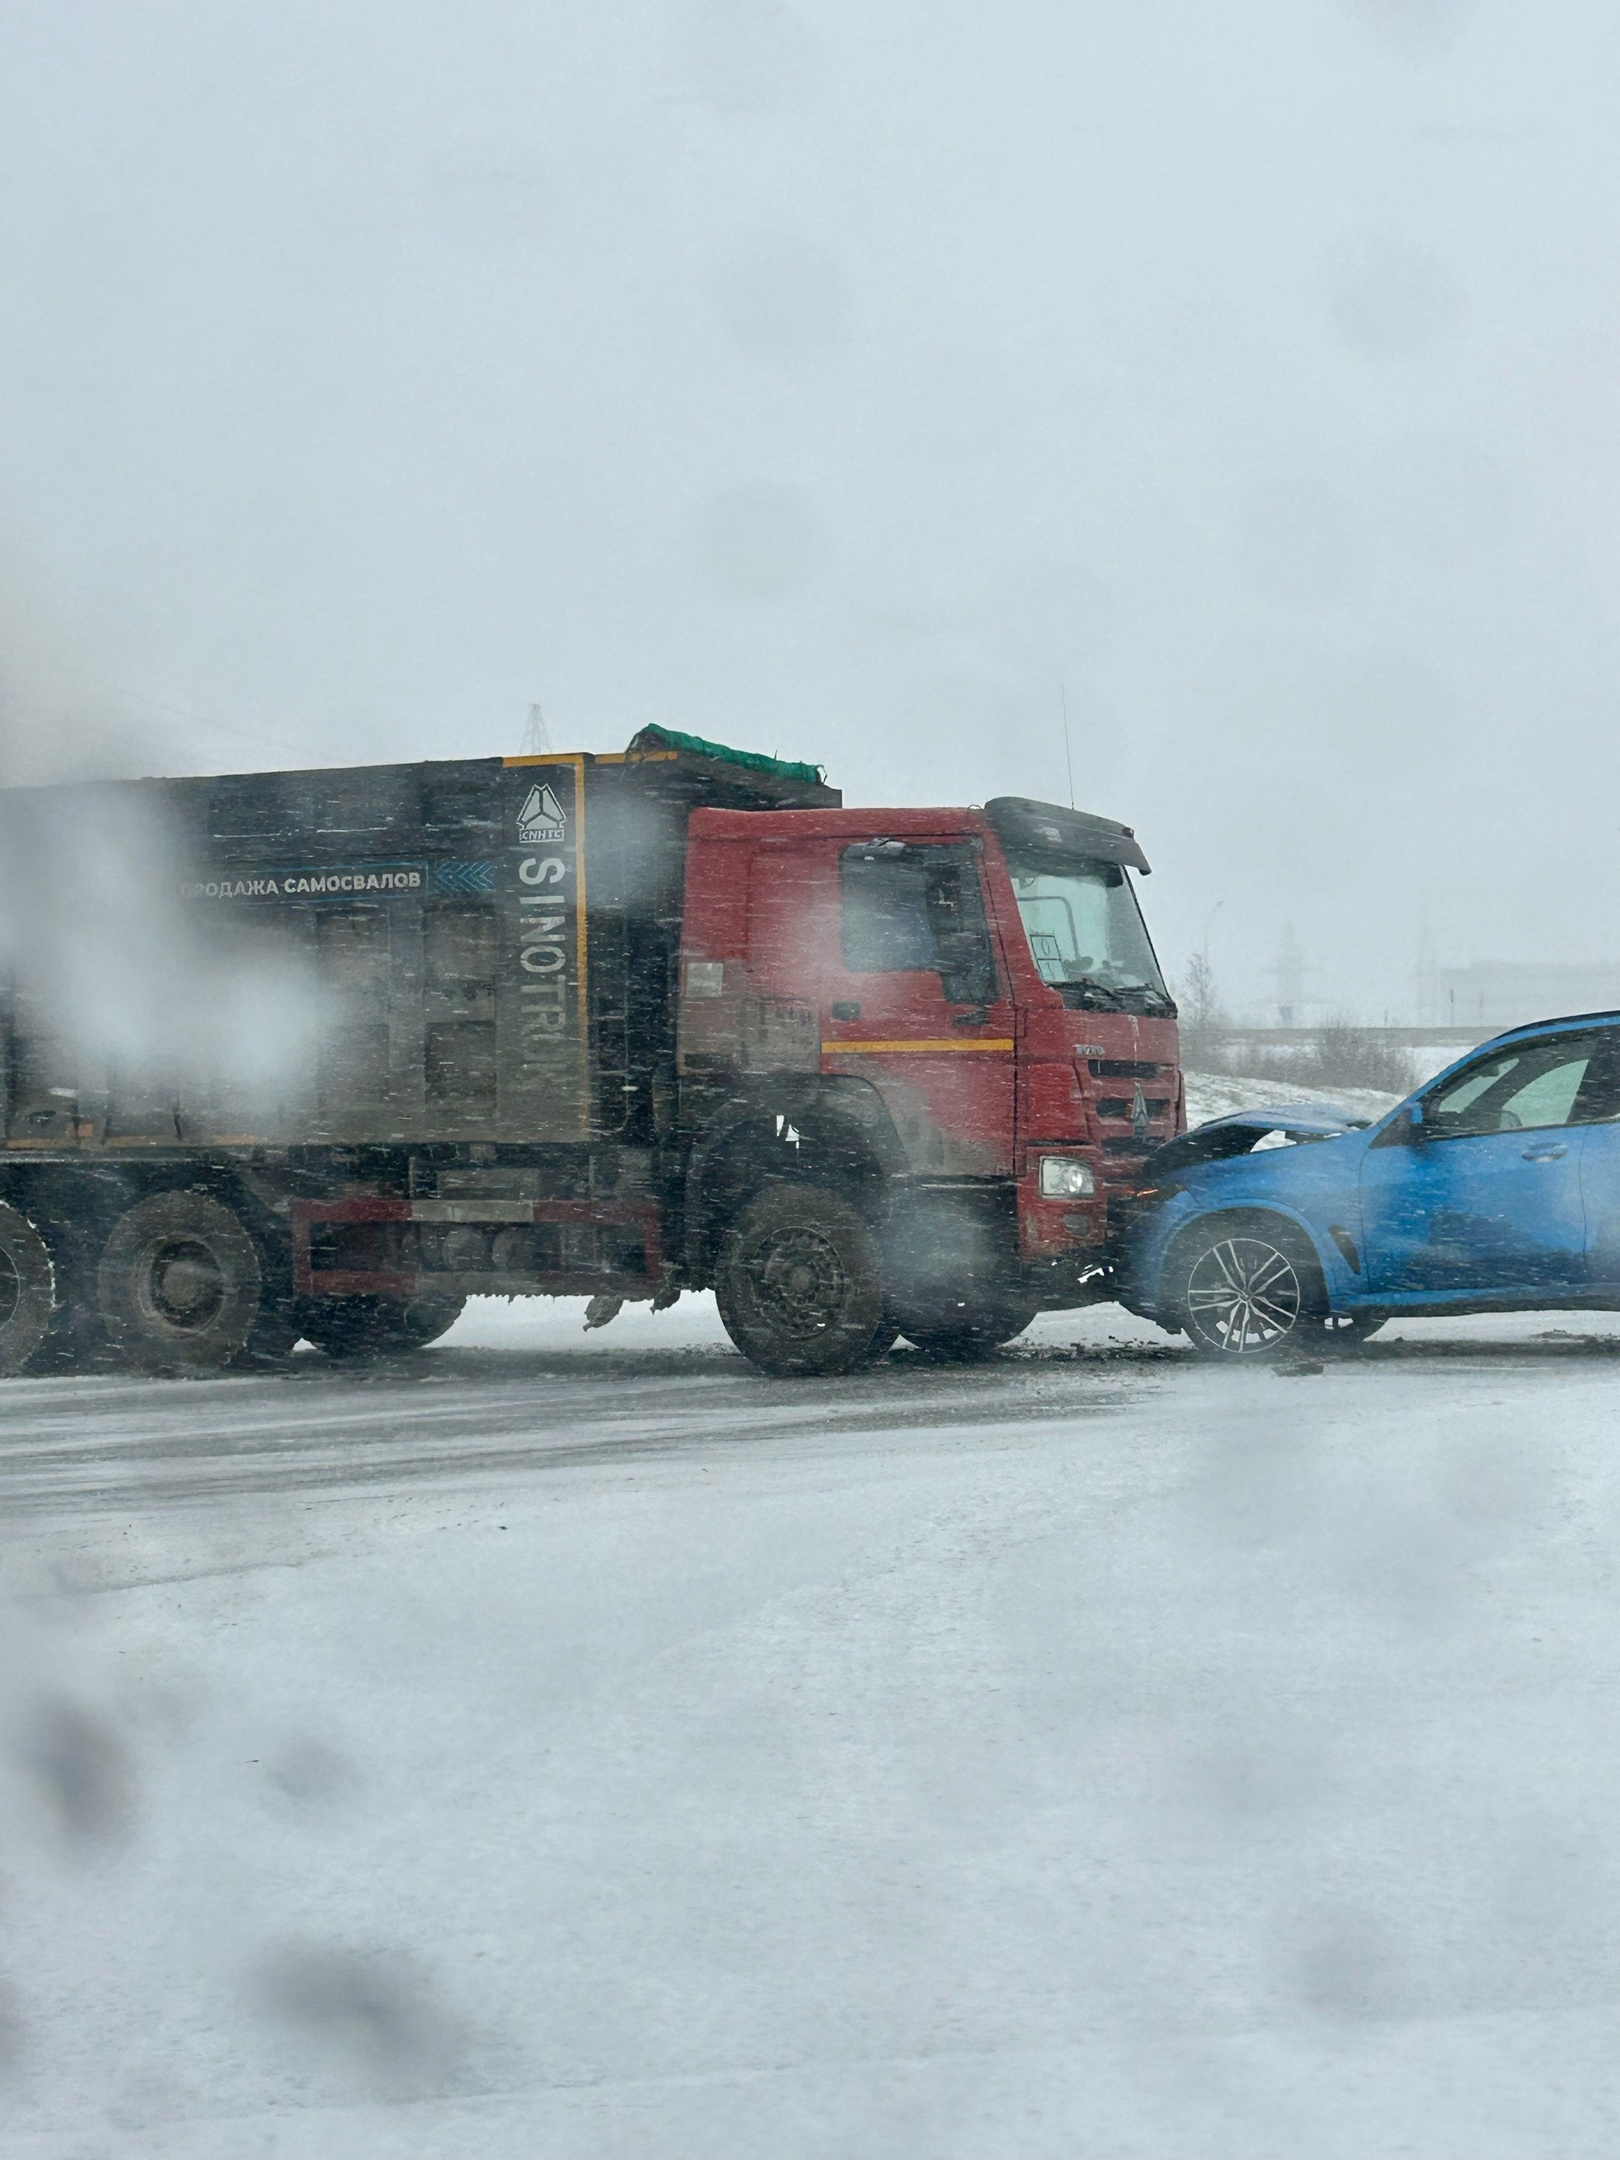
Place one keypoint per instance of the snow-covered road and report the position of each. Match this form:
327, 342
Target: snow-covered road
580, 1746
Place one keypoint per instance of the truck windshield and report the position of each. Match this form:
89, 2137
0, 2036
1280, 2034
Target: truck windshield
1086, 932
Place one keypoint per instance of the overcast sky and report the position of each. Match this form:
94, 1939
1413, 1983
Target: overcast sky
853, 381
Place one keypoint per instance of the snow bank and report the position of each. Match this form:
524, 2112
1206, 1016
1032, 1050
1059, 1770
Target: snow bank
1213, 1095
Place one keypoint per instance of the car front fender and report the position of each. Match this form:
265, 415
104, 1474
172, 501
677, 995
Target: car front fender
1326, 1214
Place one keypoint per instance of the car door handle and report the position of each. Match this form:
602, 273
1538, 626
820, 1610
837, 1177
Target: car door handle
1544, 1153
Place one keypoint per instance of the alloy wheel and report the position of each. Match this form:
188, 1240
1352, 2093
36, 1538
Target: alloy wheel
1243, 1296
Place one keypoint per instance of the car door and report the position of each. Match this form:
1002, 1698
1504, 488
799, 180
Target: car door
1480, 1195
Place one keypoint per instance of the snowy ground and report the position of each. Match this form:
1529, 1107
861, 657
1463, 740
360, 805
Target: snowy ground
579, 1746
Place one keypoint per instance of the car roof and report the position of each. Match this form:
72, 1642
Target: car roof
1545, 1027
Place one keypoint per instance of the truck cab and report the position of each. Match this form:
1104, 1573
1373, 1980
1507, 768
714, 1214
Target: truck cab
950, 1020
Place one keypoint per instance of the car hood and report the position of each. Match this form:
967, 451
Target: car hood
1233, 1138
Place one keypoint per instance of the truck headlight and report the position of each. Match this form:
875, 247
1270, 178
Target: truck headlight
1066, 1177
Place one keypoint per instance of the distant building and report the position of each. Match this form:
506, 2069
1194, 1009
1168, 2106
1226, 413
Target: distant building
1493, 994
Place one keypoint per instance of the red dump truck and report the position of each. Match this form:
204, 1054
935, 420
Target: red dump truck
320, 1055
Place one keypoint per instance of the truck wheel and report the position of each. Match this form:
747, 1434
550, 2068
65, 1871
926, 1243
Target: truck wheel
798, 1285
1247, 1289
27, 1289
377, 1326
969, 1340
178, 1284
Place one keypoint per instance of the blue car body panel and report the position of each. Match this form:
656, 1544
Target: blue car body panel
1499, 1219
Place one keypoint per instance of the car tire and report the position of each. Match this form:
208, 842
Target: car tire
1247, 1288
798, 1284
27, 1289
178, 1284
360, 1327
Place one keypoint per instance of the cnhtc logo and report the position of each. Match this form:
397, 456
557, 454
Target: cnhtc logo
541, 819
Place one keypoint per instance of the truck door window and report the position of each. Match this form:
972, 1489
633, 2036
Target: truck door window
917, 910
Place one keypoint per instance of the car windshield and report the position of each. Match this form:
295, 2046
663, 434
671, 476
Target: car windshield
1085, 931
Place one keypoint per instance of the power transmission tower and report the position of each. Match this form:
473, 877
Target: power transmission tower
536, 736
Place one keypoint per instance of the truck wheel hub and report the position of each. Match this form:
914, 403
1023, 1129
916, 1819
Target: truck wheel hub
184, 1284
803, 1280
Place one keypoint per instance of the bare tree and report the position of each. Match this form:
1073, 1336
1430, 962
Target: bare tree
1204, 1019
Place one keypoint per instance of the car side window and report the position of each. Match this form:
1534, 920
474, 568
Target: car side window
1561, 1080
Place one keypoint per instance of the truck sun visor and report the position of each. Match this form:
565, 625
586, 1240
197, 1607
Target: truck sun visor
1020, 823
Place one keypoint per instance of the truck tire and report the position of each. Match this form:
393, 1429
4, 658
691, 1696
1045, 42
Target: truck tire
1247, 1287
977, 1335
798, 1284
27, 1289
178, 1284
358, 1327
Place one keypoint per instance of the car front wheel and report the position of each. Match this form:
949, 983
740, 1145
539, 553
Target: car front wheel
1247, 1290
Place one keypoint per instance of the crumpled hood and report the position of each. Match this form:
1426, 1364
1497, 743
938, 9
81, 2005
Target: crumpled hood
1219, 1139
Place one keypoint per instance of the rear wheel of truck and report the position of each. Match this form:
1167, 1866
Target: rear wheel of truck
359, 1327
975, 1336
27, 1289
798, 1284
178, 1284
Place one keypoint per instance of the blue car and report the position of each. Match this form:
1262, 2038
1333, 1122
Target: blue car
1494, 1188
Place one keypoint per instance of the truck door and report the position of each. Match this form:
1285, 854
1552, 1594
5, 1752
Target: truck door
916, 1001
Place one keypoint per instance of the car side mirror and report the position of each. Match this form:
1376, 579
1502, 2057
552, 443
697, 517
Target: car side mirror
1414, 1124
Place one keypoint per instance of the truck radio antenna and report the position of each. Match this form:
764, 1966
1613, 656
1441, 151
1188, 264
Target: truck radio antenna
1063, 693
